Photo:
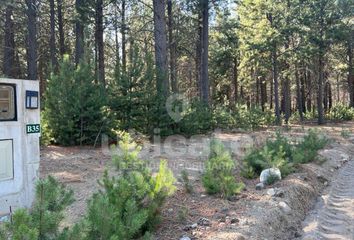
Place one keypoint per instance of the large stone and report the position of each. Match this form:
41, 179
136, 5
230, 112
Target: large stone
268, 173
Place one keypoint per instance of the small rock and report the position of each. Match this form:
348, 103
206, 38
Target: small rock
190, 227
204, 222
325, 183
322, 179
259, 186
267, 173
185, 238
279, 193
271, 192
234, 220
285, 207
224, 210
170, 210
222, 219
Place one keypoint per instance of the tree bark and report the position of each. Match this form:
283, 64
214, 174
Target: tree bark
52, 46
350, 69
79, 32
204, 75
100, 42
61, 28
9, 44
159, 7
263, 93
320, 89
299, 95
32, 68
235, 75
124, 38
275, 75
198, 54
172, 48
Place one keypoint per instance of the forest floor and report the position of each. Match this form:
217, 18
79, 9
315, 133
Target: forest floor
253, 214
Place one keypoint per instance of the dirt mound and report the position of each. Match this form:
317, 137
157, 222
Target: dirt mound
280, 216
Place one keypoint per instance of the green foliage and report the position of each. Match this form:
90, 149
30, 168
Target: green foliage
129, 204
186, 182
274, 154
306, 150
218, 176
253, 117
340, 112
279, 153
345, 133
46, 134
74, 104
132, 98
197, 120
42, 222
272, 179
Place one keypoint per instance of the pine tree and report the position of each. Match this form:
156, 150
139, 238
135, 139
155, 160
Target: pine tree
129, 204
74, 105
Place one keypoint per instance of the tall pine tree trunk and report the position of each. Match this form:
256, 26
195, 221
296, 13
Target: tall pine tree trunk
9, 44
299, 96
124, 37
160, 47
52, 46
99, 41
61, 28
350, 69
198, 54
172, 47
320, 88
32, 68
79, 32
235, 80
204, 75
276, 84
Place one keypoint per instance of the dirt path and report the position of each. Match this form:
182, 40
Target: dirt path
333, 216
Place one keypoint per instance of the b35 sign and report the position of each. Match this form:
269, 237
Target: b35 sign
33, 128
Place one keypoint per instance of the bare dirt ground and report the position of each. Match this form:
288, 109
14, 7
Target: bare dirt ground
251, 215
333, 215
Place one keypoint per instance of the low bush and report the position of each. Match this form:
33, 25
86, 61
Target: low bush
306, 150
197, 119
274, 154
186, 182
129, 204
218, 176
279, 153
43, 221
340, 112
250, 118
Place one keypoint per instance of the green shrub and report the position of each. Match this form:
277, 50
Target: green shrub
223, 118
130, 203
74, 105
274, 154
43, 221
253, 117
198, 119
279, 153
340, 112
186, 182
306, 150
218, 176
345, 133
